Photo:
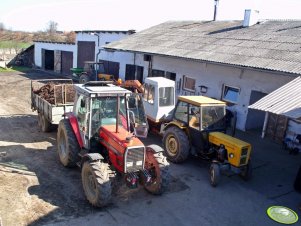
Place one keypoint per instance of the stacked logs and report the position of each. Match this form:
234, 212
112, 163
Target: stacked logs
46, 92
55, 93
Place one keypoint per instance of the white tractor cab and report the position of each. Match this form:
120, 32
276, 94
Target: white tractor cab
159, 100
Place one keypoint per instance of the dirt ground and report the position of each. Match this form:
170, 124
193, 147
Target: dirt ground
35, 188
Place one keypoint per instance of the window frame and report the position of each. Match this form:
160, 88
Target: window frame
224, 94
184, 83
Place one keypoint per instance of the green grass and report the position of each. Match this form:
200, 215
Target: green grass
13, 44
15, 68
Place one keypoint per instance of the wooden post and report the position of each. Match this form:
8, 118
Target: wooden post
265, 124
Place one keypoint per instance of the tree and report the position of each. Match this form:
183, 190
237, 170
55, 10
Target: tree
2, 27
52, 27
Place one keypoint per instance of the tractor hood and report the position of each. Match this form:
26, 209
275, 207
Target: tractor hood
122, 138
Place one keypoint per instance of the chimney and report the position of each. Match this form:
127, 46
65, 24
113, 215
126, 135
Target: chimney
251, 17
215, 9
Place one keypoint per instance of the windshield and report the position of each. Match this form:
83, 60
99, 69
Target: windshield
104, 111
211, 115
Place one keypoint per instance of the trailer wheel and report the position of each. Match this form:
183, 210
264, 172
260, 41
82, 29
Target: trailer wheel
214, 174
157, 164
83, 79
96, 180
246, 173
67, 144
43, 123
176, 144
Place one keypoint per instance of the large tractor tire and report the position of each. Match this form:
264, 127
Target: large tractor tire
215, 174
84, 79
97, 185
43, 123
176, 144
67, 144
246, 173
156, 163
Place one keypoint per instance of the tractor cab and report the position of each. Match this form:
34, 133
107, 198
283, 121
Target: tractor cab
108, 107
158, 98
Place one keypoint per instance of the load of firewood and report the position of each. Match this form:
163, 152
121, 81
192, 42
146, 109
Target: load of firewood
46, 92
55, 93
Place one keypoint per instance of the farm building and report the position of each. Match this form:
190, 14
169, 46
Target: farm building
61, 56
236, 61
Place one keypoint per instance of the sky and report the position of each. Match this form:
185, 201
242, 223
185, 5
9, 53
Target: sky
74, 15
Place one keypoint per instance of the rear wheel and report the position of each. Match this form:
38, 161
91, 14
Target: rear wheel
96, 179
247, 172
214, 174
157, 164
67, 144
43, 123
83, 79
176, 144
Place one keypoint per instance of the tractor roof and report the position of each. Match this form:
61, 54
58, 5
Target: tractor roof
160, 81
200, 100
102, 89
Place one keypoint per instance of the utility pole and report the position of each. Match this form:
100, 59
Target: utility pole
215, 9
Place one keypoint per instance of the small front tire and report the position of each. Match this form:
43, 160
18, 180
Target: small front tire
247, 172
214, 174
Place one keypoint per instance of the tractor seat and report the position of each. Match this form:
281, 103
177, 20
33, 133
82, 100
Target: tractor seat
194, 122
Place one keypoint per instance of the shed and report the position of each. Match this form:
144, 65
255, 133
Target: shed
281, 105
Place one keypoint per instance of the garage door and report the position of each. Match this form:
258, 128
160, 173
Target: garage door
85, 52
111, 68
67, 62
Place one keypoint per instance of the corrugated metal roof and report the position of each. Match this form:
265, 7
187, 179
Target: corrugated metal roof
283, 101
271, 45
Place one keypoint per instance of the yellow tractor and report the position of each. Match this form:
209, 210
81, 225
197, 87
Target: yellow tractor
198, 127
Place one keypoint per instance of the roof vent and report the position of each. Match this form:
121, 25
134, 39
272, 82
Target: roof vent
251, 17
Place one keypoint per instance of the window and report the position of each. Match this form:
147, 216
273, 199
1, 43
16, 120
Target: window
188, 84
149, 93
133, 72
165, 74
166, 96
230, 94
157, 73
181, 111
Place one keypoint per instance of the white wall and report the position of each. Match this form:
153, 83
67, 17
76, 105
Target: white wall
211, 75
38, 46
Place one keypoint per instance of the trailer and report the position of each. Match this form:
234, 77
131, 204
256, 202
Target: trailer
51, 98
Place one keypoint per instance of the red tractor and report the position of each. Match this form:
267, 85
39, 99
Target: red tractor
101, 136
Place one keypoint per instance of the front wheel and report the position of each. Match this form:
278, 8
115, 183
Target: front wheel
96, 180
247, 172
176, 144
156, 163
214, 174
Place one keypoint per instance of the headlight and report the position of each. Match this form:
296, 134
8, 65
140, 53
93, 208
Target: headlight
231, 155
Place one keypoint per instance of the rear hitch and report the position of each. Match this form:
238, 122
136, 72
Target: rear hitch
132, 180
